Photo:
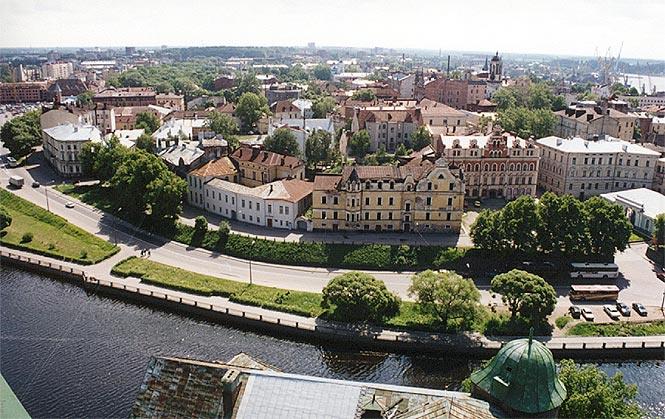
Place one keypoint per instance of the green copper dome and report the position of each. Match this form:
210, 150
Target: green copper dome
522, 376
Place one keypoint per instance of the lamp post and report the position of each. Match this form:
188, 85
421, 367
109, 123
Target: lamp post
250, 265
51, 182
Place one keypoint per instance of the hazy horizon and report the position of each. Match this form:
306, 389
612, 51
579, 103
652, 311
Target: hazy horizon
581, 28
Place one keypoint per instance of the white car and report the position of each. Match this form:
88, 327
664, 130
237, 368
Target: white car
69, 204
587, 314
612, 311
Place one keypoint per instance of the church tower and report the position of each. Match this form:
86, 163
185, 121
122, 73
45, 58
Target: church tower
496, 68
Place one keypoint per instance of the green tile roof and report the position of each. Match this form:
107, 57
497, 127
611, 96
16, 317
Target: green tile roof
523, 376
10, 406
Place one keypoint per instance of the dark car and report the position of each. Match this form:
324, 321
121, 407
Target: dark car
539, 267
623, 309
35, 184
575, 311
640, 309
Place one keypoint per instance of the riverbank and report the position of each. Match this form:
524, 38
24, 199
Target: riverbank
222, 310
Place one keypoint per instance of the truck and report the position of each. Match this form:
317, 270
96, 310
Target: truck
16, 181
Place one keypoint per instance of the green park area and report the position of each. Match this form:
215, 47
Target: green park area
619, 329
36, 230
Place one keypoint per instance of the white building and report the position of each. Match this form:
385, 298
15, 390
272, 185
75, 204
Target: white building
62, 145
642, 206
176, 129
301, 128
57, 70
585, 168
277, 204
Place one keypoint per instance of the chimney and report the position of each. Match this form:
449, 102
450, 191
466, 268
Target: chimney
230, 389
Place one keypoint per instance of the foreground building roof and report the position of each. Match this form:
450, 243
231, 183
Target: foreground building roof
176, 387
651, 202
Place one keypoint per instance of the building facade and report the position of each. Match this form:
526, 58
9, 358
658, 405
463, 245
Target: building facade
590, 121
126, 96
641, 206
258, 167
63, 143
423, 195
499, 165
22, 92
388, 126
585, 168
659, 176
57, 70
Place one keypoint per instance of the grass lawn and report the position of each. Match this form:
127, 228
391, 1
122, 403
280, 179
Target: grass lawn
619, 329
634, 237
277, 299
51, 235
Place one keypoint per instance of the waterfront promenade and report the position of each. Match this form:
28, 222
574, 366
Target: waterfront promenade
221, 309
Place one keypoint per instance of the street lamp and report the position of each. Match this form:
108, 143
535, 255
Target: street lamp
250, 265
51, 182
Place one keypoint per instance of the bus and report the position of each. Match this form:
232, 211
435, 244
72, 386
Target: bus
589, 270
594, 292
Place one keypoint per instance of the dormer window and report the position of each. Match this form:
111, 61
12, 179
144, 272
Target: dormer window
367, 185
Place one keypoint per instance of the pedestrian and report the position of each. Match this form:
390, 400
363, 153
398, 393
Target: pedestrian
148, 253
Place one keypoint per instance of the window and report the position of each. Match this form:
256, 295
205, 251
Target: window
286, 210
323, 215
390, 215
367, 215
258, 206
379, 201
429, 201
378, 216
429, 186
281, 209
334, 215
366, 200
408, 206
379, 185
427, 216
269, 208
335, 200
448, 215
450, 201
323, 200
390, 200
243, 203
392, 185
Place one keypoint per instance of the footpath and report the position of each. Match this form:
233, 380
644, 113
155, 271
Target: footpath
99, 280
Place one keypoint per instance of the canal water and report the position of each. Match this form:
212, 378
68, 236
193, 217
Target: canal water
67, 353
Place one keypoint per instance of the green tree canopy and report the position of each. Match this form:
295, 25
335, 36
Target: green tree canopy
282, 141
322, 72
607, 226
85, 98
359, 296
519, 224
250, 109
592, 394
146, 143
148, 121
562, 224
454, 300
318, 148
421, 138
525, 122
525, 294
101, 160
5, 219
226, 126
359, 143
659, 230
322, 106
247, 83
365, 95
21, 134
486, 231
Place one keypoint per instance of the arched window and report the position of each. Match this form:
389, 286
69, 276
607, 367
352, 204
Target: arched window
532, 166
367, 185
512, 167
477, 167
487, 167
494, 167
503, 167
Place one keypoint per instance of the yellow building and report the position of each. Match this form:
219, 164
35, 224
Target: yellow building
422, 195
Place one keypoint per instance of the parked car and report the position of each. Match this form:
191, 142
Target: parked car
69, 204
476, 204
623, 309
611, 311
575, 311
588, 314
640, 309
12, 161
539, 267
35, 184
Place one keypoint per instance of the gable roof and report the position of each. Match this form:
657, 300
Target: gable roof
219, 167
265, 158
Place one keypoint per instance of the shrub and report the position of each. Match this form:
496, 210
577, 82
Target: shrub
562, 321
223, 234
27, 237
5, 219
200, 224
83, 254
359, 296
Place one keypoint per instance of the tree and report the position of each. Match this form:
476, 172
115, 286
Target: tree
359, 143
525, 294
318, 148
364, 95
322, 106
148, 121
101, 160
558, 103
359, 296
200, 224
21, 134
659, 230
525, 122
421, 138
486, 231
282, 141
247, 83
223, 233
132, 78
322, 72
85, 98
5, 219
484, 123
144, 186
401, 150
562, 224
447, 296
250, 109
608, 227
164, 87
145, 142
226, 126
519, 224
592, 394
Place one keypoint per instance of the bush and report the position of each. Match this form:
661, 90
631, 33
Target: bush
200, 224
223, 234
504, 325
359, 296
562, 321
27, 237
5, 219
83, 254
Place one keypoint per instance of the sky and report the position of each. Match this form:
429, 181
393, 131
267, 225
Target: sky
561, 27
